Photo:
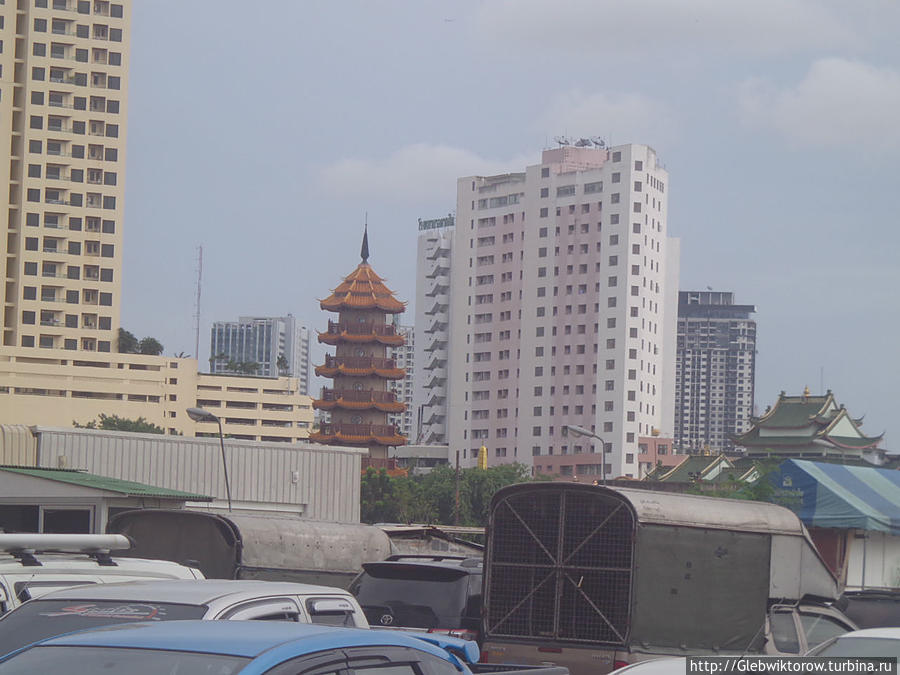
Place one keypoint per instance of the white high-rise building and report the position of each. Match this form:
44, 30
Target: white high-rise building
265, 346
563, 306
432, 325
404, 357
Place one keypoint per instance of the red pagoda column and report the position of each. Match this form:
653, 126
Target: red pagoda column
359, 399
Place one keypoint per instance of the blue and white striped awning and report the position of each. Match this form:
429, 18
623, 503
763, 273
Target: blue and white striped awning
840, 496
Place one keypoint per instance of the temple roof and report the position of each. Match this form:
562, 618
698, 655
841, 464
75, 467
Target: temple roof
363, 289
806, 420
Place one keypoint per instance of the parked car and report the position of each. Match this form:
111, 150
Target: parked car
875, 608
251, 648
94, 606
435, 593
32, 565
665, 666
877, 642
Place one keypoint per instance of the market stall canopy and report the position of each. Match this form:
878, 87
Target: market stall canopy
841, 496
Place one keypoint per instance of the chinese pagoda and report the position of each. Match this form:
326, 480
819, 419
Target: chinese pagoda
359, 400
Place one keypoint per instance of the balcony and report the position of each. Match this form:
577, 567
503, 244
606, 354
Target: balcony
362, 362
361, 332
359, 396
359, 430
388, 464
361, 328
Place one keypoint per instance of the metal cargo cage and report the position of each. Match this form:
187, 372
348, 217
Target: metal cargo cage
569, 563
559, 564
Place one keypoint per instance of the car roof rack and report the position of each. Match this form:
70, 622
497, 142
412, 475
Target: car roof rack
96, 546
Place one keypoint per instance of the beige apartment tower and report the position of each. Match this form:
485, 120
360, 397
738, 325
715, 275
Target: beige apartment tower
63, 105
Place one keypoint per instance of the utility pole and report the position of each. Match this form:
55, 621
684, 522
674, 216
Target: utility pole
456, 515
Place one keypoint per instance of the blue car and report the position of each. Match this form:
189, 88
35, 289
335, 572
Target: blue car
250, 648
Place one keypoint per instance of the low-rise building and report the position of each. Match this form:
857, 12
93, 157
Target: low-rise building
58, 388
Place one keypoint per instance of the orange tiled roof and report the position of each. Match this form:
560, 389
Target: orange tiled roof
363, 289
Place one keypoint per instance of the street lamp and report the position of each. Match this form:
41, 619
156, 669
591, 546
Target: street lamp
581, 431
201, 415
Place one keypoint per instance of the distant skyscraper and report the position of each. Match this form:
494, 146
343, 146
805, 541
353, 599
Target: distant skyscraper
404, 357
63, 113
265, 346
563, 310
432, 330
715, 370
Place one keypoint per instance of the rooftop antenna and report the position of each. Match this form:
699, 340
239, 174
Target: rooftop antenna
197, 304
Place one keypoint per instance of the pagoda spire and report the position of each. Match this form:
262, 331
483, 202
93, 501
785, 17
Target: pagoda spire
364, 252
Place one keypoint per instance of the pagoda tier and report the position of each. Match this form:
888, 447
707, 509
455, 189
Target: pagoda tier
360, 366
355, 399
341, 433
362, 289
361, 332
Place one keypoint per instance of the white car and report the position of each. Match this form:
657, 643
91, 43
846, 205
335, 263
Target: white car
211, 599
32, 565
883, 642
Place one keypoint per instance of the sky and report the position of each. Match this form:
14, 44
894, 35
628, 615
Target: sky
268, 133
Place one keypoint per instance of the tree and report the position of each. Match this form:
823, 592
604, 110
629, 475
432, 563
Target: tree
282, 364
151, 346
431, 497
116, 423
128, 343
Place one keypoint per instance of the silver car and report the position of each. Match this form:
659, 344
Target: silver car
215, 599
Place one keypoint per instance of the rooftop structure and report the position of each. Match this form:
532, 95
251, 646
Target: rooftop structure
808, 426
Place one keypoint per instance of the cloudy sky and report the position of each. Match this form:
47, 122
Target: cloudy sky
265, 131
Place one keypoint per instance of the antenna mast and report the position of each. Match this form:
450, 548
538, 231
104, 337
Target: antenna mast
197, 304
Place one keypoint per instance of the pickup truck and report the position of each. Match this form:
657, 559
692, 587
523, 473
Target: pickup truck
253, 648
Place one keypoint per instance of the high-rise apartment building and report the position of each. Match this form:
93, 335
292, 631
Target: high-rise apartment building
715, 371
433, 259
264, 346
63, 107
404, 357
563, 308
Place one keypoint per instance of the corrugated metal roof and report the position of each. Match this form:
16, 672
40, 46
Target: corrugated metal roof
91, 480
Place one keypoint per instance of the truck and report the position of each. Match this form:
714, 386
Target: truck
268, 546
594, 577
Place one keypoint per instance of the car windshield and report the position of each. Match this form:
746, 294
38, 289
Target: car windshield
40, 619
415, 596
92, 660
859, 646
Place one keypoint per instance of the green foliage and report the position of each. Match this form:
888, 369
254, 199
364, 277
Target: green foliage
151, 346
431, 497
282, 364
116, 423
128, 343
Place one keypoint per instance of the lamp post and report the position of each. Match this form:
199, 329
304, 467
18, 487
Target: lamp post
581, 431
201, 415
